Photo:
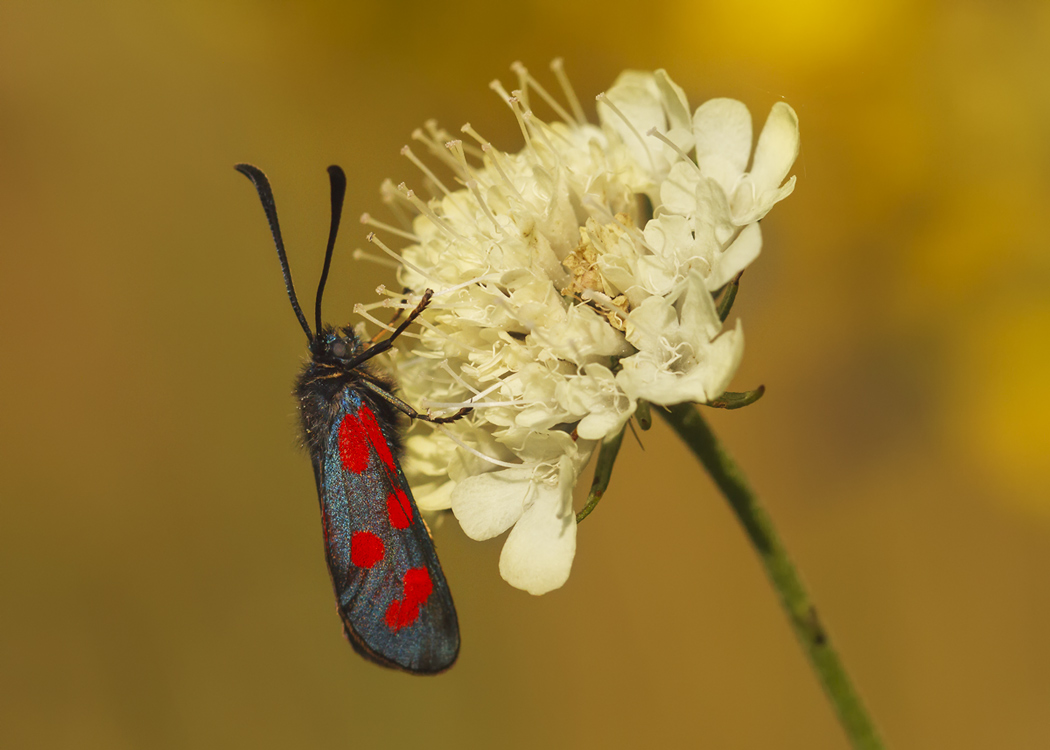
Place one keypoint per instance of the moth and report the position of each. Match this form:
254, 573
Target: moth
391, 594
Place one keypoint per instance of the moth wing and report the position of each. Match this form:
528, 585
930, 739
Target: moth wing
392, 595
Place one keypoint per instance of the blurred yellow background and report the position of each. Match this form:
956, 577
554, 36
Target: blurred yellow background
163, 584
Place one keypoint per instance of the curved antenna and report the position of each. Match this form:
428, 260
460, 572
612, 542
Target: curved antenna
262, 186
337, 178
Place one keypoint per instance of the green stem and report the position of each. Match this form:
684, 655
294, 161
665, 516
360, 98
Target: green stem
690, 426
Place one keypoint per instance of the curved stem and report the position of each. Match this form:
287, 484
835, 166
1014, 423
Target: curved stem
690, 426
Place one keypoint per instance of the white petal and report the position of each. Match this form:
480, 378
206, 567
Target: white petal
777, 148
435, 495
724, 358
488, 504
678, 191
723, 140
674, 100
701, 368
648, 322
538, 554
697, 314
601, 424
737, 257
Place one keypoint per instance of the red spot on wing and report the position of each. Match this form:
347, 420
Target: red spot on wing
366, 549
353, 445
398, 509
418, 588
375, 435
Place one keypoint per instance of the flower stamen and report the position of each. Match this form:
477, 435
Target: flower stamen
424, 209
393, 200
472, 186
359, 254
367, 220
408, 154
371, 237
653, 132
496, 155
495, 461
558, 68
603, 99
434, 147
525, 80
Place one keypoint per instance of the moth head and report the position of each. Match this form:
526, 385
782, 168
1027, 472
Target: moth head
337, 346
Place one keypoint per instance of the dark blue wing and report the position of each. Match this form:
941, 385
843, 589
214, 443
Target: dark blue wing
392, 595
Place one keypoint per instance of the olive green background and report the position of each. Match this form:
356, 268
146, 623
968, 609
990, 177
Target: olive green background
160, 552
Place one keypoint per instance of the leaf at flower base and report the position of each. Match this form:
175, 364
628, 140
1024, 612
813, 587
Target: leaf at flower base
603, 466
725, 305
643, 416
732, 400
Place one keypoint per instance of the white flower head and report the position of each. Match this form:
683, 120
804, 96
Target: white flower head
572, 279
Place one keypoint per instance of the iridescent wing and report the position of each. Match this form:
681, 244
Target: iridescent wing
391, 593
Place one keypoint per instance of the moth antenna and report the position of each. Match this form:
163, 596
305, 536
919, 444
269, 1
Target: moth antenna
337, 178
262, 186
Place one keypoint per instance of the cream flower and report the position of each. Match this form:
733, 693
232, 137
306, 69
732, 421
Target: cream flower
572, 280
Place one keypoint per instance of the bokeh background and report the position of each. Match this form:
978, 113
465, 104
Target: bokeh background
160, 557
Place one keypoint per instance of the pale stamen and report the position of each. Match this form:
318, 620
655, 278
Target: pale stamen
379, 260
435, 148
602, 98
393, 200
515, 105
359, 309
477, 281
496, 86
472, 185
530, 119
674, 147
558, 67
551, 130
425, 210
456, 378
400, 261
408, 154
451, 436
496, 163
604, 301
458, 152
367, 220
469, 130
527, 80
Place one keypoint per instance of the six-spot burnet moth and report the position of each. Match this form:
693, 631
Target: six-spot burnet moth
390, 592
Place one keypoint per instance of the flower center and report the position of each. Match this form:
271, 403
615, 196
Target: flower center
592, 265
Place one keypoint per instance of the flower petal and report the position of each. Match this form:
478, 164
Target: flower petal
636, 95
675, 103
737, 257
723, 140
538, 554
488, 504
777, 148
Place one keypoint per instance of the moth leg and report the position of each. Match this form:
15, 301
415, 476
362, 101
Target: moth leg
397, 316
404, 408
381, 346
